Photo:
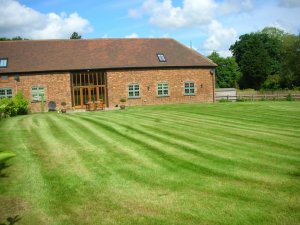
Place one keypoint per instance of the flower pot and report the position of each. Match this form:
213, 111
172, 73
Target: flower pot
63, 110
122, 106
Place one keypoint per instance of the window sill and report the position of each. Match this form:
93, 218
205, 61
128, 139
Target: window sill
134, 97
162, 96
189, 94
37, 101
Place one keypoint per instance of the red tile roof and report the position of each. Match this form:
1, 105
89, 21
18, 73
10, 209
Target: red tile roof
66, 55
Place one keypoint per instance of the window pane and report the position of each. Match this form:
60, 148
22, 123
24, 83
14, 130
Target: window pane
192, 91
137, 93
9, 91
159, 92
3, 62
136, 87
2, 92
165, 92
191, 84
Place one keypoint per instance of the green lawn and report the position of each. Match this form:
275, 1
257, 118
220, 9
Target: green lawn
225, 163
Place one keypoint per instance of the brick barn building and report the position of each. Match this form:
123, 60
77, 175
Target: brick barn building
98, 73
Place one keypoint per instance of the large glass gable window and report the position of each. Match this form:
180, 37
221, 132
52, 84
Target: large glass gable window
189, 88
6, 93
163, 89
38, 93
3, 63
133, 90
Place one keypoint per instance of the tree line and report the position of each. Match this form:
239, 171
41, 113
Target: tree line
267, 59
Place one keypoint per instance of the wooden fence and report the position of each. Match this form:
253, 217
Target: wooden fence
233, 95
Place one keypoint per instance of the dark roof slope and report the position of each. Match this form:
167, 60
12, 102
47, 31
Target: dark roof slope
66, 55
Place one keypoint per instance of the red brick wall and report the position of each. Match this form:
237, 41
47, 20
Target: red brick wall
57, 88
118, 82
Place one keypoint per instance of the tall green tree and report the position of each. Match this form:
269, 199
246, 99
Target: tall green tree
75, 35
258, 56
227, 72
291, 61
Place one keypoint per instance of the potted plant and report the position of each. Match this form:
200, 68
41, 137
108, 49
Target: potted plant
63, 109
122, 104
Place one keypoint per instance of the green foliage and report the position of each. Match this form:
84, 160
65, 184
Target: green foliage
224, 100
272, 82
75, 35
291, 59
227, 72
20, 103
289, 97
258, 56
268, 59
17, 105
18, 38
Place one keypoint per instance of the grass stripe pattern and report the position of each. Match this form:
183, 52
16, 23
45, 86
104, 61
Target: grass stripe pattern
226, 163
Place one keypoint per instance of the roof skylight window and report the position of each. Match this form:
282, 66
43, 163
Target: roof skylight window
161, 57
3, 63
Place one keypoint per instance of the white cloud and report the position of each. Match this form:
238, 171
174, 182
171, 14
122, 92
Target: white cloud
19, 20
219, 39
235, 6
134, 13
133, 35
165, 15
289, 3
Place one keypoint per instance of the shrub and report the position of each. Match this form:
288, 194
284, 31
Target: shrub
17, 105
242, 99
290, 97
21, 104
224, 100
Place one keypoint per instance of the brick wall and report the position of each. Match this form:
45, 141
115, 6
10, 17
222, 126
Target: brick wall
118, 81
57, 88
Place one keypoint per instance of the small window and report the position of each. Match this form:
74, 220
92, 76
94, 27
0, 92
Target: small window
6, 93
161, 57
189, 88
38, 93
133, 91
163, 89
4, 78
3, 63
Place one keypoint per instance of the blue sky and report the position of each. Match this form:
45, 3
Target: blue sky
207, 24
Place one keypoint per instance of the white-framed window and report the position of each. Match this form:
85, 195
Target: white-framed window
6, 93
38, 93
3, 62
134, 91
163, 89
189, 88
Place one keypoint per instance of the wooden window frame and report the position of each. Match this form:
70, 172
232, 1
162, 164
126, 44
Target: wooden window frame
162, 88
190, 90
136, 93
